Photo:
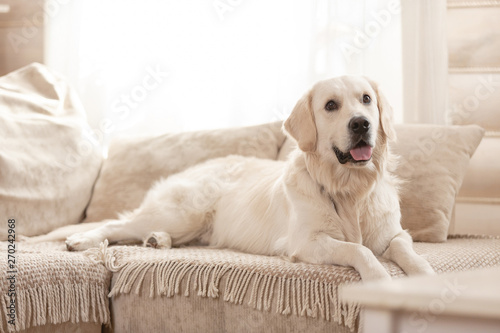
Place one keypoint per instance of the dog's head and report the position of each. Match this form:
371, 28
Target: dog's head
343, 119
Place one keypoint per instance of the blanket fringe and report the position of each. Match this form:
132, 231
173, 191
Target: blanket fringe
55, 304
103, 255
301, 297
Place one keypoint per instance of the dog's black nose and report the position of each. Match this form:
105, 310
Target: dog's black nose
359, 125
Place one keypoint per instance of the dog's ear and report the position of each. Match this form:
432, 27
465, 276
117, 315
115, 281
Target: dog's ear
385, 110
301, 125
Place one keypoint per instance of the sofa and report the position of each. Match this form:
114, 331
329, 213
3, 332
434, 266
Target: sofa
53, 174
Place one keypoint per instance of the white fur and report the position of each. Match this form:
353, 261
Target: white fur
310, 208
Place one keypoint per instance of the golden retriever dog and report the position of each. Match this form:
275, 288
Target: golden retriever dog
334, 201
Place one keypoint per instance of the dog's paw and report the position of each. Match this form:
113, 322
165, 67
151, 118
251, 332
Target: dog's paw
82, 241
428, 271
376, 275
420, 267
158, 240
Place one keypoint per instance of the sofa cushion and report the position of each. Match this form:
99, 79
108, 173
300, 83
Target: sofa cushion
134, 164
433, 163
48, 161
53, 286
269, 284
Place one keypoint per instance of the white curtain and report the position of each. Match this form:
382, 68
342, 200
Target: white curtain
425, 61
152, 66
360, 38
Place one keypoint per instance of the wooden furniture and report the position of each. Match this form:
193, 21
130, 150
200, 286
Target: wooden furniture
21, 33
453, 302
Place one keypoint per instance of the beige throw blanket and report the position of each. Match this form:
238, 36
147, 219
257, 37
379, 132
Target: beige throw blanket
56, 286
52, 286
270, 283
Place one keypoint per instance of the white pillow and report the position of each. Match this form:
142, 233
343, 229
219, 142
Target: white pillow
48, 160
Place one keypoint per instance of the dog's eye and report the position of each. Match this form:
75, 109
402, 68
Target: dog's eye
366, 99
331, 106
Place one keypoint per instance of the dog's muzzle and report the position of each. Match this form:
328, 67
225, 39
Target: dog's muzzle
361, 152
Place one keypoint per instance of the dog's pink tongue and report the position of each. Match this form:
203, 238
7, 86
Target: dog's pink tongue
361, 153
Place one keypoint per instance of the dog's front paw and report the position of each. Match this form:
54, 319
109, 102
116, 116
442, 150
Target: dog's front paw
373, 271
422, 267
376, 275
418, 266
82, 241
158, 240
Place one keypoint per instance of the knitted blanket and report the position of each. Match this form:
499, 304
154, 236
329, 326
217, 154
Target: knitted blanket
271, 283
55, 286
45, 284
